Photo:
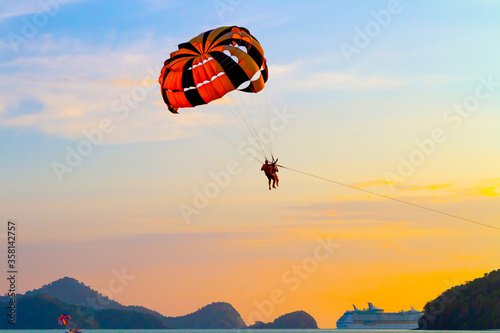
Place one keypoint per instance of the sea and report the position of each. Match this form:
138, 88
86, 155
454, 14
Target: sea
241, 331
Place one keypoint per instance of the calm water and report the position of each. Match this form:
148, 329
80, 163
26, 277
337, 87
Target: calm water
241, 331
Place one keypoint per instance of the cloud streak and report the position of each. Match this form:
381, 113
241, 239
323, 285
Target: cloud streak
24, 7
369, 209
341, 81
78, 89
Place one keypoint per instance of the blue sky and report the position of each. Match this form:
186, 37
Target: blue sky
353, 119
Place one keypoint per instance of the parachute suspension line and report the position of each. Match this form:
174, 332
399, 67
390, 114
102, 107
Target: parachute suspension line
206, 119
219, 133
212, 119
267, 114
264, 123
235, 122
227, 133
259, 111
213, 129
239, 115
232, 119
391, 198
214, 111
236, 136
243, 111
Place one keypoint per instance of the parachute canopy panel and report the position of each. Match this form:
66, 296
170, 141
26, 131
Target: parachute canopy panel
211, 65
64, 319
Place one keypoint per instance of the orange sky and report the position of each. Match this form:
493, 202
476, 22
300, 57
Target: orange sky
377, 254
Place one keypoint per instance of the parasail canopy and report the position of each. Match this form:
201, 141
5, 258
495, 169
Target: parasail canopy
211, 65
64, 319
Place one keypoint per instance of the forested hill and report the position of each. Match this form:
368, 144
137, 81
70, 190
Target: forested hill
471, 306
213, 316
73, 292
294, 320
40, 308
40, 311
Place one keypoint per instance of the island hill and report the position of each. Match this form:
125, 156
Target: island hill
474, 305
40, 308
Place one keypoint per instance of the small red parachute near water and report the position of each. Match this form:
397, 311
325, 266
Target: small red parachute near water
64, 319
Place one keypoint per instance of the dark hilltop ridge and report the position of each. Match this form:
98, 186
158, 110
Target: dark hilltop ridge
294, 320
474, 305
40, 308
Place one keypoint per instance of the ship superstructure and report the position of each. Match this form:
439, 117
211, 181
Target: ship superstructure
376, 318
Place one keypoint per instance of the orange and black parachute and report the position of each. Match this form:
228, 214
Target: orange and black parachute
211, 65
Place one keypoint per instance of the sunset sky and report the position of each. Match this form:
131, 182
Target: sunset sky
397, 97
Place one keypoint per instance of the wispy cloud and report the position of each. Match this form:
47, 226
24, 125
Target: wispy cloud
283, 70
348, 210
81, 86
486, 188
477, 191
373, 209
466, 258
376, 182
390, 231
431, 187
348, 81
24, 7
301, 75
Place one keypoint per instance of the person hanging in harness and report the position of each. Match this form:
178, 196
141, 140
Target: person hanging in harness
271, 170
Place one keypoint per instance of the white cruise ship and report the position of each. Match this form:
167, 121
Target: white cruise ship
375, 318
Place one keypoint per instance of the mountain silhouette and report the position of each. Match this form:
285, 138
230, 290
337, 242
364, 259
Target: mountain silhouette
294, 320
89, 309
474, 305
